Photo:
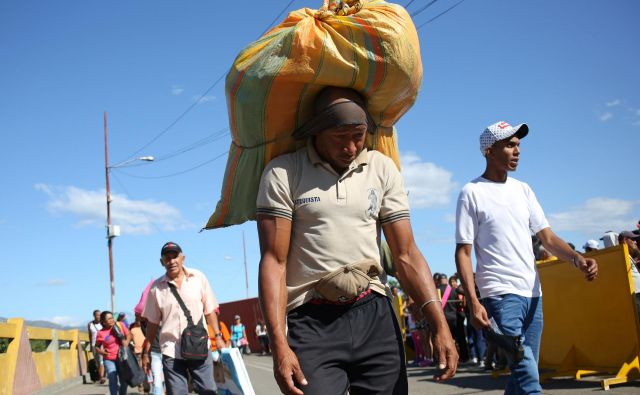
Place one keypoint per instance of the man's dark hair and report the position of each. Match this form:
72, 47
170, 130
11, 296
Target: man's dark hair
96, 311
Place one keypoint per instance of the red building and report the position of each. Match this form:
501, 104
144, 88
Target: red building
249, 312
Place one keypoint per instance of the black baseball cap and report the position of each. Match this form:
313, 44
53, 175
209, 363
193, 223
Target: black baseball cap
170, 246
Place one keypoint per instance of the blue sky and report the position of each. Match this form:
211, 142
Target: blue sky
569, 69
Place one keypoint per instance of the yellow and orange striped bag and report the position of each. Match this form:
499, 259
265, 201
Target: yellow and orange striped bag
370, 46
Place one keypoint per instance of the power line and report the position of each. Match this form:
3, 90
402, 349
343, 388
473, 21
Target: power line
424, 7
206, 92
178, 173
197, 144
408, 4
441, 14
185, 112
276, 18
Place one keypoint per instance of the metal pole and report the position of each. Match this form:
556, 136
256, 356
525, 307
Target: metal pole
246, 276
109, 238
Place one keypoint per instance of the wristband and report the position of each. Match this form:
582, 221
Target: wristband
427, 303
218, 335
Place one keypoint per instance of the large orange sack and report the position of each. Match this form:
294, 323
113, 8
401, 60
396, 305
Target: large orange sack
370, 46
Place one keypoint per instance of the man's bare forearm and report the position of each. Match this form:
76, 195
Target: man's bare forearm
273, 298
465, 270
212, 321
149, 337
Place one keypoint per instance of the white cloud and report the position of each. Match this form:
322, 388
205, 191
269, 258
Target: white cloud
64, 320
204, 99
228, 258
133, 216
177, 90
613, 103
52, 282
605, 116
427, 184
596, 216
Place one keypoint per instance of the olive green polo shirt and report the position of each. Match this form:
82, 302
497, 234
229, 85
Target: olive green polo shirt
336, 219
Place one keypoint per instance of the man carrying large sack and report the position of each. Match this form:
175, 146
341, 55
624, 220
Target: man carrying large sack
319, 212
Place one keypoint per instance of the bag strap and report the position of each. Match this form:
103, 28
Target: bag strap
187, 314
118, 331
445, 297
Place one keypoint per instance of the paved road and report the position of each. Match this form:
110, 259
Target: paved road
467, 381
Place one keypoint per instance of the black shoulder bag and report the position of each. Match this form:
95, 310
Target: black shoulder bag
128, 369
194, 342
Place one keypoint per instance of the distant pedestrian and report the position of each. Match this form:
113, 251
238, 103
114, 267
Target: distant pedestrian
93, 327
591, 245
226, 337
629, 238
239, 336
155, 353
164, 313
263, 338
497, 214
108, 342
122, 318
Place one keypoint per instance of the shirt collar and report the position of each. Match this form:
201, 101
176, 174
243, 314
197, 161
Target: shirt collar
187, 273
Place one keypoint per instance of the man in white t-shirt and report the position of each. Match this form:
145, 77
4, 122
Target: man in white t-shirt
497, 214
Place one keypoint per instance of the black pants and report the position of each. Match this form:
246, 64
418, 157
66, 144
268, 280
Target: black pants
356, 347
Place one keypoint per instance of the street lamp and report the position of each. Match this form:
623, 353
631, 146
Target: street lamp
114, 231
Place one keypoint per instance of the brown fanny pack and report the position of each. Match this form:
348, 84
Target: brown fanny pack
346, 283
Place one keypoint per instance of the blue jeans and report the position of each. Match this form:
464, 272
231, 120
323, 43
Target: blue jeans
111, 371
518, 315
158, 376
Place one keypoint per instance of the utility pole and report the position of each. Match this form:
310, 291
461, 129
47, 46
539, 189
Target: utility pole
110, 234
246, 275
114, 230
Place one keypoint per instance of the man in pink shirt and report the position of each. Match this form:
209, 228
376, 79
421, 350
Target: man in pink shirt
164, 314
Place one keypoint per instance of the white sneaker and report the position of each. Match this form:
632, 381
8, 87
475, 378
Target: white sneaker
474, 360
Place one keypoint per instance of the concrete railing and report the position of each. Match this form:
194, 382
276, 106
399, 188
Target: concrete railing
62, 355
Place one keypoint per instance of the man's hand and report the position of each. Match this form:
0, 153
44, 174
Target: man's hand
220, 343
588, 266
444, 349
287, 370
479, 316
146, 364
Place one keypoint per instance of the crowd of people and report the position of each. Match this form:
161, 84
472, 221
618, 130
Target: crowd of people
329, 323
472, 346
156, 336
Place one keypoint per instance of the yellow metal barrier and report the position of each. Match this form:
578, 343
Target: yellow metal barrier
9, 358
590, 327
23, 371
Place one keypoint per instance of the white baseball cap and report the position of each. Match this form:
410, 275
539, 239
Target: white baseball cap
500, 131
591, 244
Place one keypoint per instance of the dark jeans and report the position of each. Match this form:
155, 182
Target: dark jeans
175, 375
456, 326
477, 344
356, 347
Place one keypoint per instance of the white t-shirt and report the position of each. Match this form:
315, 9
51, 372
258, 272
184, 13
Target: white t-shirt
498, 220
